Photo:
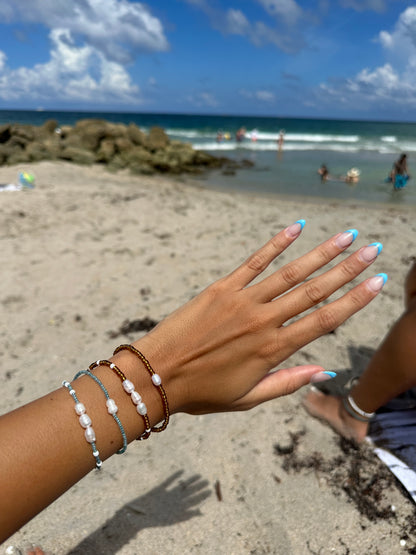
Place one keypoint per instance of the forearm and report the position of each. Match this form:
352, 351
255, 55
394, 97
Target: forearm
39, 463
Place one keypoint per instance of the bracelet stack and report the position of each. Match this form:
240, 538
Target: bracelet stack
112, 409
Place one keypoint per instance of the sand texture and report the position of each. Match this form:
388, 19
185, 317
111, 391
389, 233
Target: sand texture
87, 250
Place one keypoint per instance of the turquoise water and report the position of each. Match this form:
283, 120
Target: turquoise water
370, 146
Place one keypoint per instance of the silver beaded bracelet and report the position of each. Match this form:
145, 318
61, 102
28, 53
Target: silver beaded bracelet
111, 406
85, 422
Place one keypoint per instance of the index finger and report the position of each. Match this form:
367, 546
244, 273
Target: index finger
260, 260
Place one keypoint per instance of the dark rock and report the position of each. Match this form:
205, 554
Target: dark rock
136, 135
77, 155
4, 133
116, 145
157, 139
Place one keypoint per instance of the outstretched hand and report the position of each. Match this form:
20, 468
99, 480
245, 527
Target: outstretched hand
215, 353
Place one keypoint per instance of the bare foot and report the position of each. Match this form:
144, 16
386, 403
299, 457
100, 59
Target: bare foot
331, 410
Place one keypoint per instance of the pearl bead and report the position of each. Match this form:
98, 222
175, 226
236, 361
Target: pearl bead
136, 397
90, 434
141, 409
85, 420
79, 408
128, 386
156, 379
111, 406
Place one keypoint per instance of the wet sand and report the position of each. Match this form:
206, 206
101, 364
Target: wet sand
86, 251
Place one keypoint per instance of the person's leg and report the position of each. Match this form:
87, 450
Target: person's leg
391, 371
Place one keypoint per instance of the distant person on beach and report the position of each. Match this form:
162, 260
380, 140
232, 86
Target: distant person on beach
353, 176
281, 140
240, 134
389, 374
399, 174
220, 136
213, 354
324, 173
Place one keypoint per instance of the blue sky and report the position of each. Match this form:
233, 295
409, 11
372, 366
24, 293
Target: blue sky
315, 58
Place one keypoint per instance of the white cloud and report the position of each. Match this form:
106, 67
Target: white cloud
286, 14
203, 99
288, 10
79, 73
391, 85
3, 59
117, 28
236, 22
91, 43
363, 5
261, 95
265, 96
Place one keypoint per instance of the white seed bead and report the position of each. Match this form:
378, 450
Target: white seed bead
79, 408
90, 434
136, 397
156, 379
128, 386
111, 406
141, 409
96, 453
85, 420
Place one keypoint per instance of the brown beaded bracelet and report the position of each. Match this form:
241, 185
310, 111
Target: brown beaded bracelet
128, 387
156, 380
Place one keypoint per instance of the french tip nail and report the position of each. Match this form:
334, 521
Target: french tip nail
302, 223
377, 282
354, 233
384, 276
379, 247
322, 376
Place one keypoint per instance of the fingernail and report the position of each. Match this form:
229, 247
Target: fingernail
377, 282
346, 238
322, 376
295, 229
370, 252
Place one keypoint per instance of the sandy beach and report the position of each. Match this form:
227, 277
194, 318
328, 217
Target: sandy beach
86, 250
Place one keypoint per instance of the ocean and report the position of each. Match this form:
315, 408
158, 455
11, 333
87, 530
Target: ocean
370, 146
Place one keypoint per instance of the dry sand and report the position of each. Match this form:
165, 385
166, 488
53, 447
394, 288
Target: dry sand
86, 250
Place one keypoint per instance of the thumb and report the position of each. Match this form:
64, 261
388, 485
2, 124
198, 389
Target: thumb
283, 382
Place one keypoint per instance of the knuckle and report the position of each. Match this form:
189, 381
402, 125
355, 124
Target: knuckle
327, 320
257, 262
314, 292
290, 274
348, 269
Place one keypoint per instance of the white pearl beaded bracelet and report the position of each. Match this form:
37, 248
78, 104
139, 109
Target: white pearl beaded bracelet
110, 404
85, 422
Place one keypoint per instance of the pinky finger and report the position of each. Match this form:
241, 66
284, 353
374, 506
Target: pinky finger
279, 383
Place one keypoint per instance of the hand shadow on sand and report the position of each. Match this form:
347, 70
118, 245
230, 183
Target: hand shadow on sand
161, 506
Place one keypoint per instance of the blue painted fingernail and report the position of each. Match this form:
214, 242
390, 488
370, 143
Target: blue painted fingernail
322, 376
370, 252
377, 282
295, 229
346, 238
378, 245
384, 276
354, 233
